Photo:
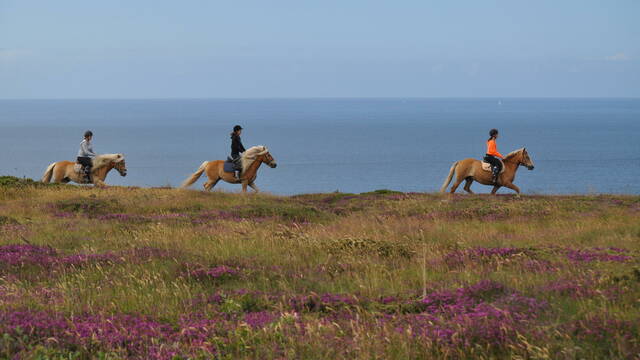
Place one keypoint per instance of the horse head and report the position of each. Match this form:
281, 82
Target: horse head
526, 160
267, 158
120, 165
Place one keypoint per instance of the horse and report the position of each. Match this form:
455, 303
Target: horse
250, 160
66, 171
471, 169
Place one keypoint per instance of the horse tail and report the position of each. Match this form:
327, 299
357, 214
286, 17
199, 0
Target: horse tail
195, 176
448, 180
46, 178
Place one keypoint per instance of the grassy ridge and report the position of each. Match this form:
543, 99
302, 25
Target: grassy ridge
163, 273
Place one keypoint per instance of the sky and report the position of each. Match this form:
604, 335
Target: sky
330, 48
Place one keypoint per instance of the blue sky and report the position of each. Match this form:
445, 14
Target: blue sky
343, 48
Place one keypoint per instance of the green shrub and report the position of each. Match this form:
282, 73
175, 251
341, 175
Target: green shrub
368, 246
6, 220
382, 192
284, 211
88, 205
12, 181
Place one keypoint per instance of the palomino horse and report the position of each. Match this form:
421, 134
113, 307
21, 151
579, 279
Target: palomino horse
65, 171
471, 169
251, 161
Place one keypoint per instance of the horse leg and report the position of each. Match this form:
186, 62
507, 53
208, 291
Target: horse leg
513, 187
56, 178
467, 185
59, 175
254, 187
456, 184
244, 186
495, 188
65, 177
210, 184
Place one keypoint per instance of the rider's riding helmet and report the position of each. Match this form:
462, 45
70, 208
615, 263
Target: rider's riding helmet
88, 133
493, 132
236, 128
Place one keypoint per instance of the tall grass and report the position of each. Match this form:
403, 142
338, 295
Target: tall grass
375, 275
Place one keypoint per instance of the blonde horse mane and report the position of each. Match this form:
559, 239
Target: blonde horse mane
105, 159
249, 156
513, 153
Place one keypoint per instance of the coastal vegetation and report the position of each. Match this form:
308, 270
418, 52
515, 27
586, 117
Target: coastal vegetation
125, 272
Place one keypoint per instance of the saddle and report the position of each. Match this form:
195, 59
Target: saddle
487, 167
78, 168
231, 165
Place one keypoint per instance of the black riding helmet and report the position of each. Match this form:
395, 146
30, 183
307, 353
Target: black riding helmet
493, 132
236, 128
88, 133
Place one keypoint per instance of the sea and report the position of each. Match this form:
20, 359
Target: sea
579, 146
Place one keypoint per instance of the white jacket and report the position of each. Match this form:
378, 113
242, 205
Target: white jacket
86, 149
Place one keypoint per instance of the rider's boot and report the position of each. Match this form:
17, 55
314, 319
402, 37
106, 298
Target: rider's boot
495, 177
238, 175
87, 174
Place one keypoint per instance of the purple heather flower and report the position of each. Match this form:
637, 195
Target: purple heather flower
20, 255
322, 302
260, 319
217, 272
589, 255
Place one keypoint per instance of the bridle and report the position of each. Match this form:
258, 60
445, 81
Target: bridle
268, 159
121, 167
524, 155
519, 159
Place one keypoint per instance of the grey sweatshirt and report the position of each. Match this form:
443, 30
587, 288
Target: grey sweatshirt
86, 150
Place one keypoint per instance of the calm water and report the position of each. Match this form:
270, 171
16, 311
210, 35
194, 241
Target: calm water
354, 145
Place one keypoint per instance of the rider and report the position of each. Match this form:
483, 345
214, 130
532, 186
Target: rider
492, 155
86, 154
236, 148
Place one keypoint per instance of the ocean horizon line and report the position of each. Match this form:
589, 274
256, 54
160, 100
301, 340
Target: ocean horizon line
276, 98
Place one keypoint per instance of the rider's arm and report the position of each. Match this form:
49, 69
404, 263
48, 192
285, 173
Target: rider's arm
492, 149
87, 149
238, 144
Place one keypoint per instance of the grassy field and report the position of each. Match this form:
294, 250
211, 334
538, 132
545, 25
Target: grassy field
165, 273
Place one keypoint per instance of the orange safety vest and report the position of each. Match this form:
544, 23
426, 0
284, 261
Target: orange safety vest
492, 149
